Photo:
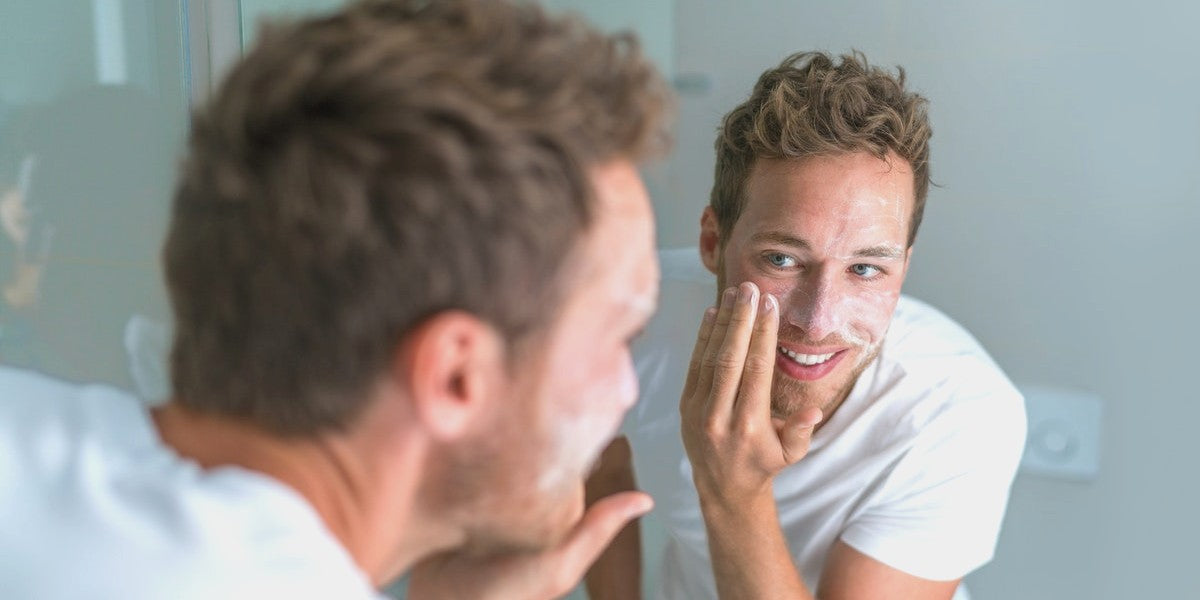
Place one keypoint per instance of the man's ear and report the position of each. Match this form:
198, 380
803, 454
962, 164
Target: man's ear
454, 365
710, 240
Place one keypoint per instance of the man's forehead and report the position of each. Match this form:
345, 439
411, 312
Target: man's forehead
854, 191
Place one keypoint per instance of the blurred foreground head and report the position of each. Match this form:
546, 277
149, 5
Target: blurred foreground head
434, 204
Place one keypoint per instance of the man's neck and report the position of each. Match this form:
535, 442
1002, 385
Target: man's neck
368, 506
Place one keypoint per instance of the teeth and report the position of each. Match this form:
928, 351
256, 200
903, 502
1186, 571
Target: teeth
806, 359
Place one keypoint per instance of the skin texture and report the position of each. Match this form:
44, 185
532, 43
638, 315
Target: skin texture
568, 402
466, 468
582, 389
814, 264
827, 236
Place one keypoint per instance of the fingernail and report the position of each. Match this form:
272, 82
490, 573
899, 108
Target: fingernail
769, 303
642, 507
746, 293
728, 296
709, 315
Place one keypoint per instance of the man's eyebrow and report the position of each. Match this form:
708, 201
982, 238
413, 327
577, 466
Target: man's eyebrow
777, 237
886, 251
882, 251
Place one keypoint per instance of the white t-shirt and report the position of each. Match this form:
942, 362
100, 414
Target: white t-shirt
94, 505
913, 469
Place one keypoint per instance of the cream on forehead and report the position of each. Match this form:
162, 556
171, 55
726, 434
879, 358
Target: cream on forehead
857, 187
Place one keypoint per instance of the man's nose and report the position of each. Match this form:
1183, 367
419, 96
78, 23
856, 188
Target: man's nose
814, 305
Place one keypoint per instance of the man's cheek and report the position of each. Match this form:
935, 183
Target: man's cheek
627, 386
872, 311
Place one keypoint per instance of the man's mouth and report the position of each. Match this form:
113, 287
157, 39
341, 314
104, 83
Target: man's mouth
807, 360
807, 367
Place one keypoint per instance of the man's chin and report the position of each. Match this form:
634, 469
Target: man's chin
541, 524
789, 396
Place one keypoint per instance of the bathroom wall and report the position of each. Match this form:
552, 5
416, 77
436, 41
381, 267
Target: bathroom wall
1067, 157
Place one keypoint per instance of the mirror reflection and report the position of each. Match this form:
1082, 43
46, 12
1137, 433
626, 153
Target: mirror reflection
958, 216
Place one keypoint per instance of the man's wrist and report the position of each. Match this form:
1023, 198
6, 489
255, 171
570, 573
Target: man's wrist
735, 506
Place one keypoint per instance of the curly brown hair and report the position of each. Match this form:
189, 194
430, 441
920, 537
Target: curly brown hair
809, 105
359, 172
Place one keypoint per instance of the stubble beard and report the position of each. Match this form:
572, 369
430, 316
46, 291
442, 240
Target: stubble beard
789, 396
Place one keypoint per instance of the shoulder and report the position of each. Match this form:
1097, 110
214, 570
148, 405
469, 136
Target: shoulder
85, 481
944, 382
921, 331
931, 350
44, 421
18, 384
952, 428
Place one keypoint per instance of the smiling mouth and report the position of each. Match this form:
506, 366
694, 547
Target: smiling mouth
807, 360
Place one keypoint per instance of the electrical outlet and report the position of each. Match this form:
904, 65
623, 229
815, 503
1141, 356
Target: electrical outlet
1063, 439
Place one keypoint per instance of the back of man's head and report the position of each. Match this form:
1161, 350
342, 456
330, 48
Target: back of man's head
358, 173
811, 105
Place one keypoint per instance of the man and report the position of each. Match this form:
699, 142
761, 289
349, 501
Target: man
407, 252
839, 441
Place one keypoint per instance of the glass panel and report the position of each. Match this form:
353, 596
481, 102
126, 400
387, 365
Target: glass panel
253, 11
92, 112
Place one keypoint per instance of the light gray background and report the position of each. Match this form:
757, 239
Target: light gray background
1067, 147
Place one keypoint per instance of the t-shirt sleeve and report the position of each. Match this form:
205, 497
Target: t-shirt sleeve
937, 513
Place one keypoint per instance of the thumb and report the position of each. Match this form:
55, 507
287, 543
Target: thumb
599, 525
796, 433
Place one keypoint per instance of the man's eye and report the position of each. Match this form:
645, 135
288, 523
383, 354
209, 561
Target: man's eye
865, 271
778, 259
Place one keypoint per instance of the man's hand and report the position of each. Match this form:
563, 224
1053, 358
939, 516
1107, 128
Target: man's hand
551, 573
734, 445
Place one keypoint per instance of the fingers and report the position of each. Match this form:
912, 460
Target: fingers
795, 435
725, 360
754, 394
706, 327
599, 525
715, 338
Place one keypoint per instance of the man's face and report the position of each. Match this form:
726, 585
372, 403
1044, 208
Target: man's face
574, 395
828, 236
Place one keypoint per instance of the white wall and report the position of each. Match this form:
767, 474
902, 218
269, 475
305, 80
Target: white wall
1067, 146
53, 34
652, 20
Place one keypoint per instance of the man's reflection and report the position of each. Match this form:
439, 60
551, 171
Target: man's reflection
82, 201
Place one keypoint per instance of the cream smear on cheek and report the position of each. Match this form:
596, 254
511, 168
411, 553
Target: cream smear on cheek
856, 318
579, 435
854, 311
830, 306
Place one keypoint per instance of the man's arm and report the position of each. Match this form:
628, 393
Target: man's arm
617, 575
736, 449
850, 574
751, 560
